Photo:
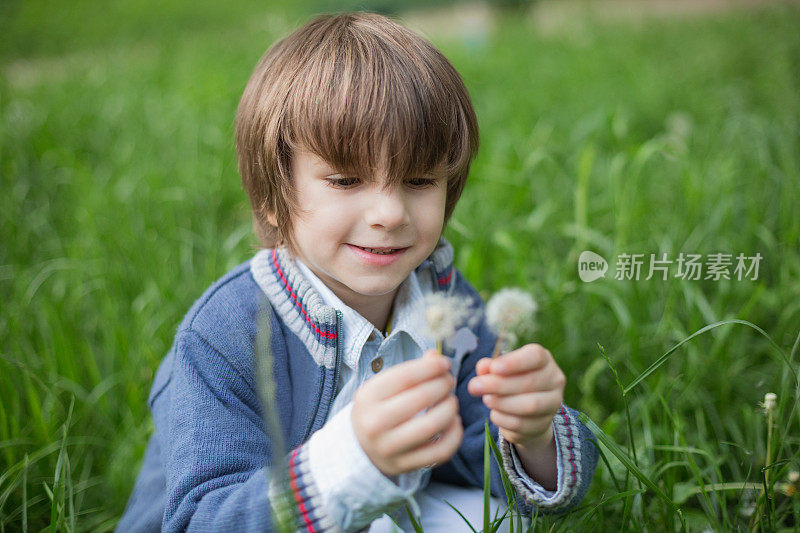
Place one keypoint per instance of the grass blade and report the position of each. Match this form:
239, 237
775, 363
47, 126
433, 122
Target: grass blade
683, 492
661, 360
618, 496
25, 495
511, 493
461, 515
416, 525
486, 479
623, 457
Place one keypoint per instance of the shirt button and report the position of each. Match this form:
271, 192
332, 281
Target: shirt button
377, 364
371, 337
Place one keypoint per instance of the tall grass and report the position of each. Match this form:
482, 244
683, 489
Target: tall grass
120, 204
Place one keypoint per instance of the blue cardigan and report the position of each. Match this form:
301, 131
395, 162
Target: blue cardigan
209, 465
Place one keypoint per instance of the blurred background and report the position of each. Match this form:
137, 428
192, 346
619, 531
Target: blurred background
619, 126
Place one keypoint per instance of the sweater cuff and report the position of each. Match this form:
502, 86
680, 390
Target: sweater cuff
295, 499
353, 491
568, 463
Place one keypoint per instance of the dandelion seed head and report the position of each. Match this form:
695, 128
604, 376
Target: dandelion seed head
511, 311
435, 316
770, 400
445, 314
790, 488
511, 339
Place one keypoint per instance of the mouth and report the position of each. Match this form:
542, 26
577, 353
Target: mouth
379, 256
381, 250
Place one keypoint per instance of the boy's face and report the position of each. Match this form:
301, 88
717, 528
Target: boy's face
344, 219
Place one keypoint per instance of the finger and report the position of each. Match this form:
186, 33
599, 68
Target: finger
531, 404
532, 381
432, 353
482, 367
405, 375
529, 357
513, 436
439, 451
420, 429
405, 405
520, 425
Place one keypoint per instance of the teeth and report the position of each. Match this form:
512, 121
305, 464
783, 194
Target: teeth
381, 252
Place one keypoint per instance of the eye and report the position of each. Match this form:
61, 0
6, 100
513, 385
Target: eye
420, 183
343, 182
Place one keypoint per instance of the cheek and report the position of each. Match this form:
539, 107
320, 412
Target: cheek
318, 231
322, 216
430, 213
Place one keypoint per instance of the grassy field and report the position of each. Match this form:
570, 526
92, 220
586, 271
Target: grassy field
121, 203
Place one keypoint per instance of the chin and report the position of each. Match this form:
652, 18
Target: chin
378, 289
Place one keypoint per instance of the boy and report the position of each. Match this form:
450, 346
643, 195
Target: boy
354, 139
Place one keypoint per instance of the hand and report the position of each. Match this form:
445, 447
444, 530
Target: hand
384, 421
524, 390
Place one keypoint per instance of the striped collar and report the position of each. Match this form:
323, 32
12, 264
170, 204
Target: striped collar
304, 311
407, 308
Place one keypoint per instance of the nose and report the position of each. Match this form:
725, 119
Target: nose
386, 208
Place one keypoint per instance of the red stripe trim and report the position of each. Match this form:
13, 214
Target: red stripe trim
324, 334
571, 454
444, 280
296, 490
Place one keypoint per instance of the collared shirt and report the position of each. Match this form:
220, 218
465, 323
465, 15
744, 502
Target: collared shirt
349, 475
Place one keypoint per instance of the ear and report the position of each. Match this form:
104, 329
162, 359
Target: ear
265, 210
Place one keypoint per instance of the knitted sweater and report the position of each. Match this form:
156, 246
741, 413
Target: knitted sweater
211, 465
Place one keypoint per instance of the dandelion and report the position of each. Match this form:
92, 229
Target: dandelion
768, 405
770, 399
509, 314
444, 314
792, 485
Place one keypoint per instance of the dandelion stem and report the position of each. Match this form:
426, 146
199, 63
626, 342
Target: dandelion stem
769, 409
498, 346
768, 460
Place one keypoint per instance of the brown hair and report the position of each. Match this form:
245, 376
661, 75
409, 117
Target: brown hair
356, 89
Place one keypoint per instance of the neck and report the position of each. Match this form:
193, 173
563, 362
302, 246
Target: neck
375, 309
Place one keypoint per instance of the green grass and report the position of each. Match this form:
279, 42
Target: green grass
121, 203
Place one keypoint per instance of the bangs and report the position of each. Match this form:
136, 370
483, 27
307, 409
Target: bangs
366, 99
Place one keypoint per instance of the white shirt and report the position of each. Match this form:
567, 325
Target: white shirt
348, 477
